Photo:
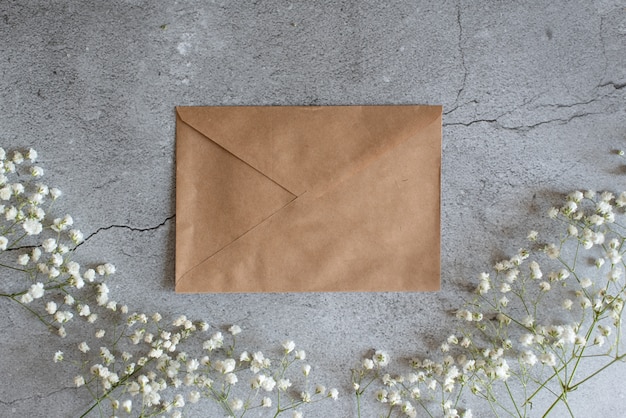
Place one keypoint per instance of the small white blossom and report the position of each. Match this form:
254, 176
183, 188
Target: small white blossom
32, 227
55, 193
127, 405
79, 381
58, 356
36, 171
51, 307
283, 384
549, 359
381, 358
194, 396
23, 259
235, 404
289, 346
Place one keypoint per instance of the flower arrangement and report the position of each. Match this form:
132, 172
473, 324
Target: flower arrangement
535, 320
531, 325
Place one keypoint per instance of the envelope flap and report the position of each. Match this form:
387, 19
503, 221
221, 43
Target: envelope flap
306, 148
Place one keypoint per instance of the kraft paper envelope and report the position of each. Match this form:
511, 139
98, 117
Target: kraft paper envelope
307, 199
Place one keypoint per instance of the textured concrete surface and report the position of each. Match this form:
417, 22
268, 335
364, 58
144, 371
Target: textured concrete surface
534, 101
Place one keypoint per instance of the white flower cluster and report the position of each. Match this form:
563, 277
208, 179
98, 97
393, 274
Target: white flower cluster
533, 321
132, 364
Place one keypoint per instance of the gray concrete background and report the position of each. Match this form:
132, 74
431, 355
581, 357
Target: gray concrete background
534, 101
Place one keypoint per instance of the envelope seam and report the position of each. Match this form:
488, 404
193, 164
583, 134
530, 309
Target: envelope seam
181, 278
238, 158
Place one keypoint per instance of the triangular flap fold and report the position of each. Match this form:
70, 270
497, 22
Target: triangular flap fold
307, 148
218, 198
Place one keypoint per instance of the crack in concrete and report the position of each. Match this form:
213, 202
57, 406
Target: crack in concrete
524, 128
603, 48
128, 227
38, 396
463, 64
616, 86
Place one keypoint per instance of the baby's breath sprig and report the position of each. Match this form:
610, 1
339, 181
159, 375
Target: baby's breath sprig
536, 319
132, 363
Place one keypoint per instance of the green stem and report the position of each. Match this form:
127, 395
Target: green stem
508, 389
601, 369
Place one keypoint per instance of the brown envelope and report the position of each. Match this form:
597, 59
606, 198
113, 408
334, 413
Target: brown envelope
307, 199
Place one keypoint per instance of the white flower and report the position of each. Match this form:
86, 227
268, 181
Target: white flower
79, 381
544, 286
32, 226
127, 406
268, 384
89, 275
23, 259
231, 378
225, 366
567, 304
548, 359
289, 346
11, 213
235, 404
36, 171
580, 340
51, 307
36, 291
58, 356
553, 212
572, 231
305, 396
368, 364
381, 358
464, 314
528, 321
179, 401
76, 236
31, 155
527, 339
5, 194
484, 286
55, 193
266, 402
234, 329
283, 384
83, 347
296, 414
604, 330
552, 251
300, 354
529, 358
333, 394
576, 196
585, 283
36, 253
18, 158
69, 300
84, 310
105, 269
193, 397
100, 333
